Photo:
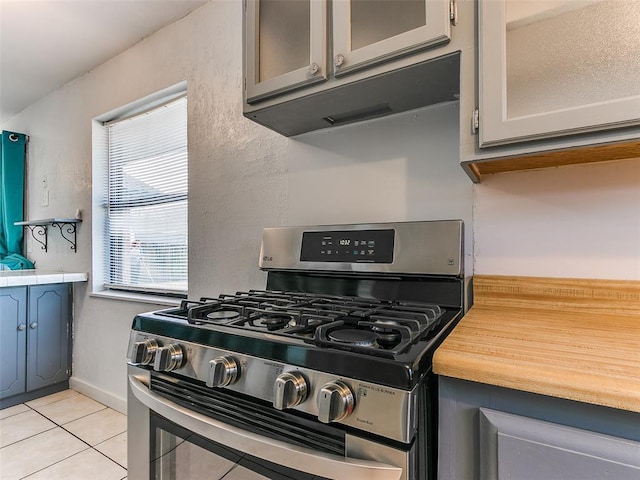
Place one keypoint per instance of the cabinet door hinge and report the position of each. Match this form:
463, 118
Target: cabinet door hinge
245, 6
475, 121
453, 12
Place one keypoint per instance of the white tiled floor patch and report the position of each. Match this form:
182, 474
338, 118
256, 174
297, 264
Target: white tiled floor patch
62, 436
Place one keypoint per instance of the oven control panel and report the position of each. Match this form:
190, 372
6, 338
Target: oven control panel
370, 246
423, 248
376, 409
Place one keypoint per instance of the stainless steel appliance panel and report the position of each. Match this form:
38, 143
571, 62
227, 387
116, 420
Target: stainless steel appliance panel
258, 376
433, 248
144, 404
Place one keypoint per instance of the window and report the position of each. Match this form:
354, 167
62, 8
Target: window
144, 200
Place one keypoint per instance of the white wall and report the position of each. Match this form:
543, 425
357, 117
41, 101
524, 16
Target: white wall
579, 221
242, 177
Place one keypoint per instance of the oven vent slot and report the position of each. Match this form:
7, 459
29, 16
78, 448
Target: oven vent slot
246, 413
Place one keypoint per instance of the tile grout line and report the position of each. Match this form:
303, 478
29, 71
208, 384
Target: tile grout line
61, 426
83, 441
55, 463
89, 447
107, 456
35, 434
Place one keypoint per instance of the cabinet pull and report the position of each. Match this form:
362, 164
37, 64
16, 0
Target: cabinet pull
338, 60
33, 325
21, 327
314, 68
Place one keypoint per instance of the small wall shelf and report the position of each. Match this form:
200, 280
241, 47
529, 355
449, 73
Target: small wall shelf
39, 230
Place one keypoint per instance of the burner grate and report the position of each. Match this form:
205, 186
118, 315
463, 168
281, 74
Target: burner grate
370, 326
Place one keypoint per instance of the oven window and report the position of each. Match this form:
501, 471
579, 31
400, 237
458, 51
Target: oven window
178, 454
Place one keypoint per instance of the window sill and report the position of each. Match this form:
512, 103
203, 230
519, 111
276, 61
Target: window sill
136, 297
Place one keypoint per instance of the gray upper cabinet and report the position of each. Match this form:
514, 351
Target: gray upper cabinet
313, 64
285, 46
557, 68
366, 32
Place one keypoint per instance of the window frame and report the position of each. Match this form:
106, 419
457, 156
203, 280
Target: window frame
101, 282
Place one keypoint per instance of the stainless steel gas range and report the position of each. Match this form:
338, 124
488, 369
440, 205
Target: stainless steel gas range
324, 374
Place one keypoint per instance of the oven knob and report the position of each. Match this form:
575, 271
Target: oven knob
168, 358
223, 371
289, 390
335, 402
142, 352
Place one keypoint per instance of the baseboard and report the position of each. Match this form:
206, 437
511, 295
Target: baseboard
99, 395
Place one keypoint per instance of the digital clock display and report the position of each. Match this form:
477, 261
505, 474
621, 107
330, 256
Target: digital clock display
353, 246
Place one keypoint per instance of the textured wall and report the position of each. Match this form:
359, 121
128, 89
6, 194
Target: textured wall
576, 221
242, 176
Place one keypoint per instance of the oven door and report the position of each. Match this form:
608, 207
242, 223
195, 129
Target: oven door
169, 441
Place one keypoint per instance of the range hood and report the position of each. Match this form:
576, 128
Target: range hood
415, 86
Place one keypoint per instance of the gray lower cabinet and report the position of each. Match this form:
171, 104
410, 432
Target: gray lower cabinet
13, 329
512, 446
36, 332
493, 433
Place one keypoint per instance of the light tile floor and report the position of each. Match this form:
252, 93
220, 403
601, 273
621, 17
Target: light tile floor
63, 436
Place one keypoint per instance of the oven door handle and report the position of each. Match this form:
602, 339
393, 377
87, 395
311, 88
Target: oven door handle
278, 452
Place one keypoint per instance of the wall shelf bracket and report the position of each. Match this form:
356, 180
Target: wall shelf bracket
70, 229
39, 234
39, 230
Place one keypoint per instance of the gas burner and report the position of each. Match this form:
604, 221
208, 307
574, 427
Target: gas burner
222, 315
310, 321
272, 320
385, 325
388, 332
352, 336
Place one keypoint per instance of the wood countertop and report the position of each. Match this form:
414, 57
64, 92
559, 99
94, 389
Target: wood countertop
569, 338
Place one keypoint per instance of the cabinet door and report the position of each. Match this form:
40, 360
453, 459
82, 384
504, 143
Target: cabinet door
285, 46
512, 446
48, 337
13, 340
557, 68
366, 33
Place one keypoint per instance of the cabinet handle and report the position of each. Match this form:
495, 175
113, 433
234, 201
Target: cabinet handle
338, 60
21, 327
314, 68
33, 325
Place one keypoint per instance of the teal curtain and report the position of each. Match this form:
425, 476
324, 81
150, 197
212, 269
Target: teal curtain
12, 164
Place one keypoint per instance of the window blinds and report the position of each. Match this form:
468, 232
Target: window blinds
146, 227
